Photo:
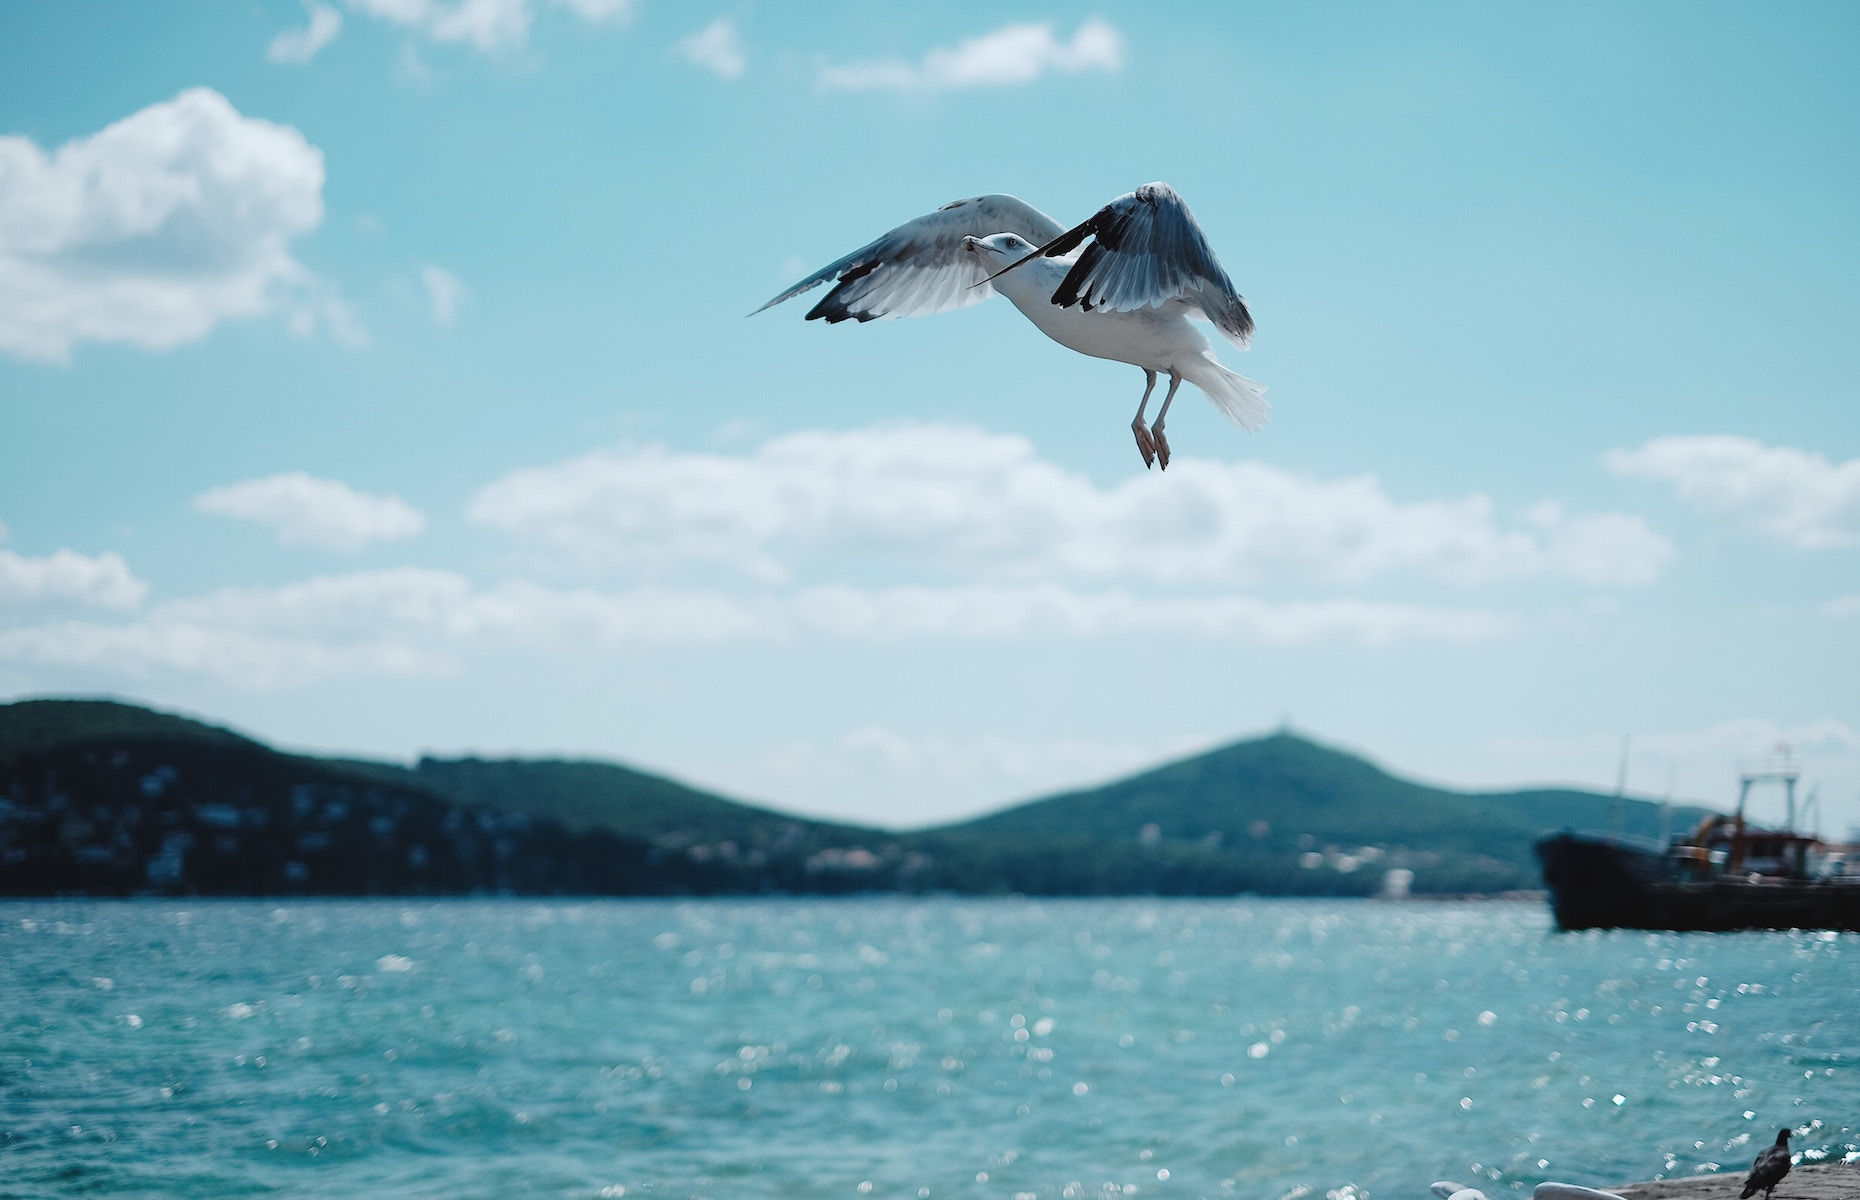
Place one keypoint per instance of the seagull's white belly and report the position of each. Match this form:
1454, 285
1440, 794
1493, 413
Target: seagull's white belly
1145, 338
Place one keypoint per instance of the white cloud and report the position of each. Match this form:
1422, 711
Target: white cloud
319, 307
1050, 610
1793, 496
486, 25
517, 613
717, 47
1843, 606
415, 620
306, 511
444, 292
610, 11
1013, 54
154, 230
973, 503
234, 656
301, 45
67, 577
401, 622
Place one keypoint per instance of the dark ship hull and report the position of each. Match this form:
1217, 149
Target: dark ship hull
1602, 882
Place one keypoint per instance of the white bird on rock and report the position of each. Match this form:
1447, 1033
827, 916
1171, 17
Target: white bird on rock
1127, 295
1448, 1190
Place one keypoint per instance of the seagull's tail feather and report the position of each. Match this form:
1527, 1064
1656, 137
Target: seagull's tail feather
1242, 399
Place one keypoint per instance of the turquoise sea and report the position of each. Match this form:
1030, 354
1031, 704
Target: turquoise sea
899, 1048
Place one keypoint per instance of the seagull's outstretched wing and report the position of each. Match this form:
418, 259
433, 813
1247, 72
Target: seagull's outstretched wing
1148, 251
920, 267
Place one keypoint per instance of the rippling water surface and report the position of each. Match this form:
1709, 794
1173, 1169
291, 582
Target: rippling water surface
1009, 1049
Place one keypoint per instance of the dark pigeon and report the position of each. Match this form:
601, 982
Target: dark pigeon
1769, 1169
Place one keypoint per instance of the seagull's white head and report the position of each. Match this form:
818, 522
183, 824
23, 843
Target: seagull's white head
1005, 247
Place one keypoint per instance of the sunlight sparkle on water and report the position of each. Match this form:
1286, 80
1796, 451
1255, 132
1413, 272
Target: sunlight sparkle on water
894, 1047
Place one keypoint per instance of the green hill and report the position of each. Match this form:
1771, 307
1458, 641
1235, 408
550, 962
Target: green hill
584, 794
102, 797
41, 725
1273, 802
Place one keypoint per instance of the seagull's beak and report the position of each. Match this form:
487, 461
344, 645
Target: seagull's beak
1017, 262
1062, 244
973, 244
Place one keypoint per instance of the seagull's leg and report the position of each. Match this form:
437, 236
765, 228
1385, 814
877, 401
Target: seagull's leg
1145, 446
1156, 430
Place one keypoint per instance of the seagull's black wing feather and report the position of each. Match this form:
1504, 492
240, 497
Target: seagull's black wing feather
1146, 251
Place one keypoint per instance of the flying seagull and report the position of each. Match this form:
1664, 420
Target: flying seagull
1770, 1167
1145, 268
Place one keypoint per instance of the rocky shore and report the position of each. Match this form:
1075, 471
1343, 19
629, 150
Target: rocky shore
1809, 1181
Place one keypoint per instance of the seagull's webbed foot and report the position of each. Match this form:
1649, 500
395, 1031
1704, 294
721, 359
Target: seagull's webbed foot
1146, 445
1161, 443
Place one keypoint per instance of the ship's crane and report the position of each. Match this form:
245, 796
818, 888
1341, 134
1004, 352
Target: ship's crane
1779, 768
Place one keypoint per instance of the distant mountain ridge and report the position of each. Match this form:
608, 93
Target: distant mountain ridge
1282, 797
103, 797
40, 725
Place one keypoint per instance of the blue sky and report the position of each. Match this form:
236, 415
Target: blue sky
374, 377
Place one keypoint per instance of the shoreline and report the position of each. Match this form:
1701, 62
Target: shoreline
1807, 1181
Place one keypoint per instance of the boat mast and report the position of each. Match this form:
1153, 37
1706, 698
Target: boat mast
1618, 821
1780, 769
1666, 802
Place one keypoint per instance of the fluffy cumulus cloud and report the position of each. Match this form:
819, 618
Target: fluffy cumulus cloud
418, 621
717, 47
878, 536
306, 511
302, 45
67, 577
370, 624
154, 230
975, 504
1038, 610
485, 25
1792, 496
1013, 54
